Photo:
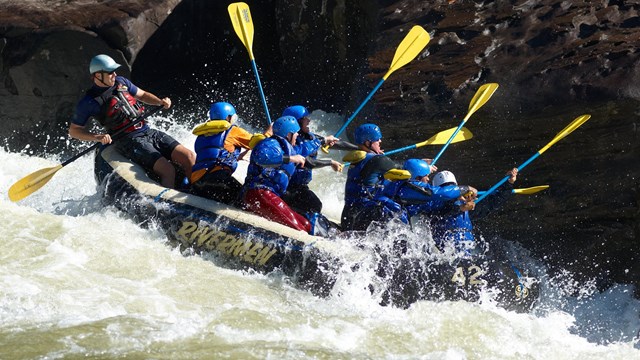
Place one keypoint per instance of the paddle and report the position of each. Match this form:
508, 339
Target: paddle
34, 181
480, 98
566, 131
525, 191
409, 48
243, 26
438, 139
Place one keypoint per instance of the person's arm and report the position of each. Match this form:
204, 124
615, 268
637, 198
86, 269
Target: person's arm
336, 143
344, 145
81, 133
85, 109
237, 137
409, 192
269, 154
499, 197
378, 165
314, 163
311, 163
149, 98
296, 159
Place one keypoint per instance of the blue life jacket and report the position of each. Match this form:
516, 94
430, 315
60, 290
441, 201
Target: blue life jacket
453, 227
266, 168
457, 227
364, 196
210, 152
358, 188
421, 198
306, 145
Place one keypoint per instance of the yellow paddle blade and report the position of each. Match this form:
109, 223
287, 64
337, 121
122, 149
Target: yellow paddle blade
31, 183
354, 156
566, 131
530, 190
409, 48
483, 95
242, 24
443, 136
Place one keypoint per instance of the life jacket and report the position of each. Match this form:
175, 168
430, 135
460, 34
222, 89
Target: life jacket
307, 144
212, 156
118, 109
453, 228
364, 193
420, 197
356, 187
266, 170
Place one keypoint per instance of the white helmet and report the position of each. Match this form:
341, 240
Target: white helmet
444, 177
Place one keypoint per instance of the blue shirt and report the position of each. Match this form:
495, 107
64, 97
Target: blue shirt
88, 107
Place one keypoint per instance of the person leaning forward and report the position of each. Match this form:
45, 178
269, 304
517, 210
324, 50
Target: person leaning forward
364, 199
299, 196
218, 147
115, 102
273, 161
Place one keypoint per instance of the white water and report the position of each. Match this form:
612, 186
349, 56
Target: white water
77, 280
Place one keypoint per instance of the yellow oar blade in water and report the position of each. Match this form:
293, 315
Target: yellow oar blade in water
31, 183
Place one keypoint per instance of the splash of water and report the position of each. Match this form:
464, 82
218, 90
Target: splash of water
84, 280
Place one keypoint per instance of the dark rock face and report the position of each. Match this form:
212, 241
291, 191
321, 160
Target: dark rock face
46, 48
554, 61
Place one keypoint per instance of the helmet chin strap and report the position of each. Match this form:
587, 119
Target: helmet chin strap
101, 78
370, 148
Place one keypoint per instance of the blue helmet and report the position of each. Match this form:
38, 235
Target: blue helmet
367, 132
102, 63
221, 110
297, 111
285, 125
417, 167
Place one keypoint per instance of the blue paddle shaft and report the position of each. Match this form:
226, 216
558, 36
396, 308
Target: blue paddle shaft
264, 100
353, 116
444, 147
504, 179
401, 149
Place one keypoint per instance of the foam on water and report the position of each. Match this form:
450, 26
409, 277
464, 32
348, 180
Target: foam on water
79, 279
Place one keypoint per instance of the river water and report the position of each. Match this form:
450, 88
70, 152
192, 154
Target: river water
80, 280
